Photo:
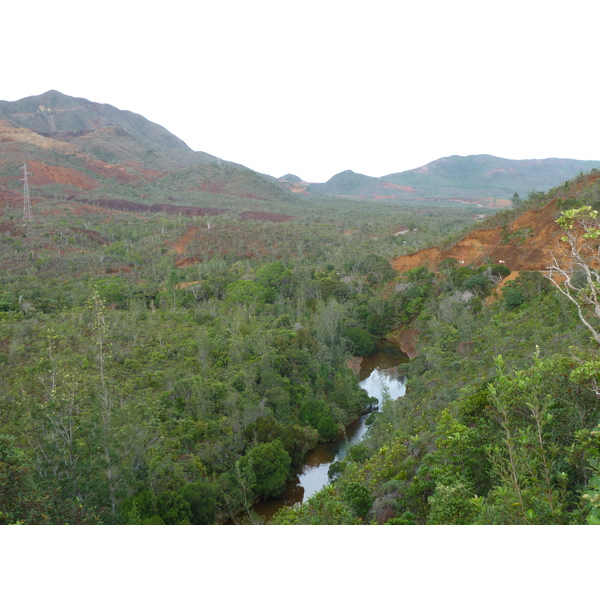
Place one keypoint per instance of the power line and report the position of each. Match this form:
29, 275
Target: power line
27, 216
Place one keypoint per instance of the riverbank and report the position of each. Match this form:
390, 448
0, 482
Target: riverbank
379, 376
406, 339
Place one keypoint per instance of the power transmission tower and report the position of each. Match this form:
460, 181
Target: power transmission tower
27, 216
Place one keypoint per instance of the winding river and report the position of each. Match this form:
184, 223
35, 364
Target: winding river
378, 377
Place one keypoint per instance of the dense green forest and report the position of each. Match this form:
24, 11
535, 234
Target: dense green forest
137, 391
148, 383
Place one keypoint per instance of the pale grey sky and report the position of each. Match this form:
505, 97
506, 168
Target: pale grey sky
320, 86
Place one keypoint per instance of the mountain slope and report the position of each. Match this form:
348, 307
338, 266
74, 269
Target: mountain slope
482, 179
53, 113
525, 244
86, 146
485, 174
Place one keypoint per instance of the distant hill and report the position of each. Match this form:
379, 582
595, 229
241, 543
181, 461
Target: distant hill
54, 113
291, 178
92, 150
478, 178
96, 150
526, 243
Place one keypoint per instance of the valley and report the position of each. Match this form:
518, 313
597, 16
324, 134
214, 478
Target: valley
179, 332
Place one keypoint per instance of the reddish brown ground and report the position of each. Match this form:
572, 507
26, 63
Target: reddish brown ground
186, 262
394, 186
116, 172
131, 172
10, 199
13, 229
182, 244
406, 338
354, 363
44, 175
531, 253
94, 235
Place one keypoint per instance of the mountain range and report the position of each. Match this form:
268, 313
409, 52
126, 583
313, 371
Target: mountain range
93, 151
482, 179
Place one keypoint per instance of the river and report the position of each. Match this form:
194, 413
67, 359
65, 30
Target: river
378, 376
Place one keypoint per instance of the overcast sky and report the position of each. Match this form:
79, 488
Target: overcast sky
317, 87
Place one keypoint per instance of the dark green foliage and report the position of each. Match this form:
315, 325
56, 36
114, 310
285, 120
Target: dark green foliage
477, 283
24, 501
361, 341
358, 498
418, 274
7, 303
113, 291
149, 393
407, 518
173, 509
513, 298
327, 428
246, 292
295, 440
377, 324
324, 508
529, 285
270, 465
318, 415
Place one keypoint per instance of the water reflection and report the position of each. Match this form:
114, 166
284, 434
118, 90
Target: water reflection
382, 383
380, 379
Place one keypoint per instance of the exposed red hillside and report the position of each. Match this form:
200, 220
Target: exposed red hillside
46, 175
9, 199
182, 244
108, 171
524, 246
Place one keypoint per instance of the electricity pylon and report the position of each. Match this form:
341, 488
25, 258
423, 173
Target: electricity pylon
27, 216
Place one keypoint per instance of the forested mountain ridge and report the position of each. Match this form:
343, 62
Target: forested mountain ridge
88, 151
79, 122
478, 179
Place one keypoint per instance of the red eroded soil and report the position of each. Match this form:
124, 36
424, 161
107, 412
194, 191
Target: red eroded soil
10, 199
131, 172
46, 175
530, 251
182, 244
186, 262
406, 338
393, 186
116, 172
13, 229
94, 235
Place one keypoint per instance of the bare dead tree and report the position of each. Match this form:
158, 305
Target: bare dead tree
574, 264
